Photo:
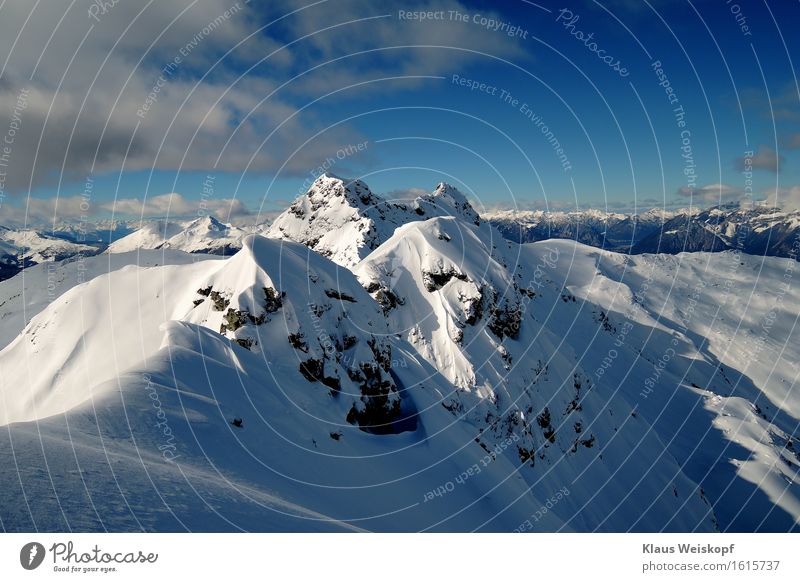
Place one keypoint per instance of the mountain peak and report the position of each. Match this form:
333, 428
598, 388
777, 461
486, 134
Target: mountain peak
329, 186
453, 202
207, 222
339, 218
343, 220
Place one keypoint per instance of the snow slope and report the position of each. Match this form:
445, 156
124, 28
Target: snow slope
455, 296
155, 417
150, 235
25, 295
333, 406
678, 337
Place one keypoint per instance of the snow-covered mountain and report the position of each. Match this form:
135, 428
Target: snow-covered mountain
609, 230
760, 230
99, 232
202, 235
344, 221
546, 329
756, 230
25, 247
439, 377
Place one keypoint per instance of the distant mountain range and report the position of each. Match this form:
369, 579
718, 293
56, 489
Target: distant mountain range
23, 248
760, 230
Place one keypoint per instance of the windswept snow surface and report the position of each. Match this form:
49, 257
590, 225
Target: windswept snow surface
705, 347
402, 367
25, 295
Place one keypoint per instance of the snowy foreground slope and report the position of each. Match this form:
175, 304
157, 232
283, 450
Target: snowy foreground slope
452, 381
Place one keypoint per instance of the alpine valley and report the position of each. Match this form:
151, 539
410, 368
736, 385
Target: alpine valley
363, 364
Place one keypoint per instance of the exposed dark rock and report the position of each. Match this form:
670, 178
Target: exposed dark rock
220, 302
273, 299
388, 300
245, 342
312, 369
505, 321
334, 294
297, 342
234, 319
434, 281
382, 352
378, 412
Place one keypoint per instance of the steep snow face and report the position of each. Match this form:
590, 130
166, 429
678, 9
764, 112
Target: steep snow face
703, 345
458, 298
344, 221
308, 318
201, 235
90, 335
165, 456
436, 280
745, 311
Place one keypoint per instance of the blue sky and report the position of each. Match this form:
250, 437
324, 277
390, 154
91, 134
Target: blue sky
265, 93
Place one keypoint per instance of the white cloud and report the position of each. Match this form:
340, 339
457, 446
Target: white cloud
712, 194
392, 46
405, 194
39, 212
791, 141
43, 211
784, 198
175, 204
